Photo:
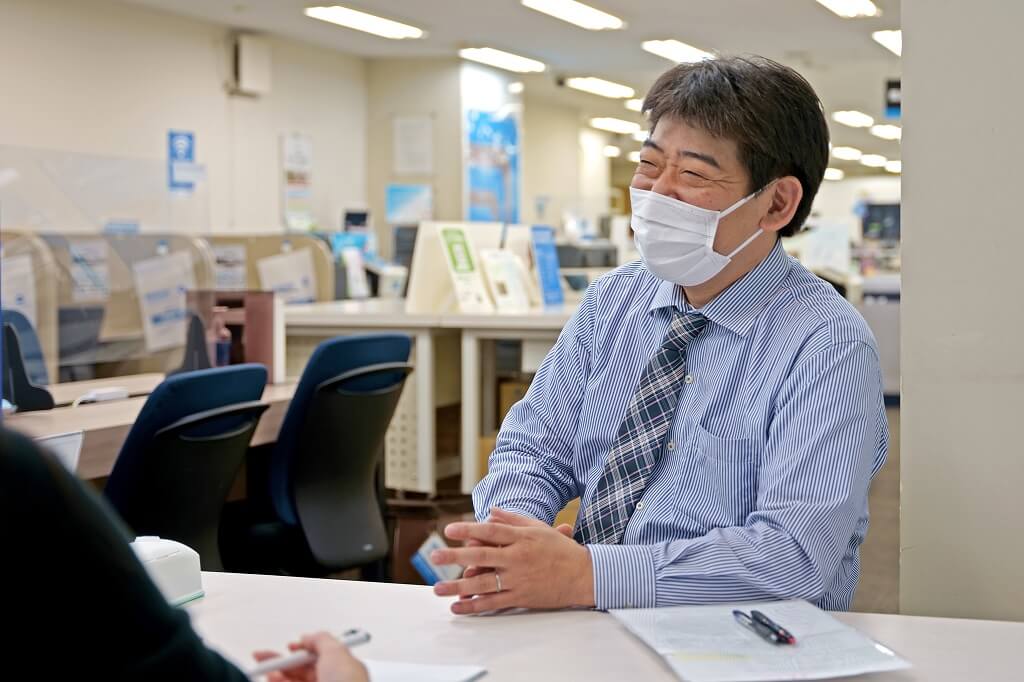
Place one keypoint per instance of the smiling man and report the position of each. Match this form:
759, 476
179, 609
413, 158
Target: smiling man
717, 408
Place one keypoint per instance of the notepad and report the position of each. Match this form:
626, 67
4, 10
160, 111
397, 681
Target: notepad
705, 644
391, 671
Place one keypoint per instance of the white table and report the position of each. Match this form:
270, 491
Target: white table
136, 384
241, 613
478, 373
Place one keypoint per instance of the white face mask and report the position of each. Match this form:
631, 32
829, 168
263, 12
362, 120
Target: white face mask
676, 239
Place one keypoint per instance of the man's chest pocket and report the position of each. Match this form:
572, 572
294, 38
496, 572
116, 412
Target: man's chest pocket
719, 485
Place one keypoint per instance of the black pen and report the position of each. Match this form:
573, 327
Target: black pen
782, 632
759, 629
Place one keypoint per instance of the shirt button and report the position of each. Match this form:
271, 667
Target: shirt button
689, 378
671, 445
639, 505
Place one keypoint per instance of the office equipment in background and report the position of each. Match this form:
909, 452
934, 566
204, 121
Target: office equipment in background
174, 567
881, 222
704, 643
354, 221
183, 453
430, 291
66, 447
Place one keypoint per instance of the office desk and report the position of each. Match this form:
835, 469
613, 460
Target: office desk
136, 384
106, 426
412, 462
478, 372
241, 613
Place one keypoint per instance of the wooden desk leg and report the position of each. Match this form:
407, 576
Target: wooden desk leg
470, 409
426, 413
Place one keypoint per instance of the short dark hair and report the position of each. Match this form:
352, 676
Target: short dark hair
769, 110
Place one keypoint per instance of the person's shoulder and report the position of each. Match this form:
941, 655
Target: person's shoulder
807, 302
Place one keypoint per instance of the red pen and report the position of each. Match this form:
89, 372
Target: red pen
782, 633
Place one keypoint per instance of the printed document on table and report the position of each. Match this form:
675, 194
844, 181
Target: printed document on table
706, 644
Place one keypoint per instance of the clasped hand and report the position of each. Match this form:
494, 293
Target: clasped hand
513, 561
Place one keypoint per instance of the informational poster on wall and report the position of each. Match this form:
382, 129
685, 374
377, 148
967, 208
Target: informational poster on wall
545, 259
408, 204
181, 158
412, 145
161, 285
291, 275
18, 285
467, 281
297, 171
230, 267
492, 166
90, 274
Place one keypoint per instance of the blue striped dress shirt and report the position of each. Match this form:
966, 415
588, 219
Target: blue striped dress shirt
761, 491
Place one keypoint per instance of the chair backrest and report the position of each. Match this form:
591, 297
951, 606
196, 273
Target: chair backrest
17, 388
31, 350
183, 452
329, 360
340, 461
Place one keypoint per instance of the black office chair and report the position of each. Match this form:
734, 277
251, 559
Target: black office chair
326, 472
18, 388
183, 453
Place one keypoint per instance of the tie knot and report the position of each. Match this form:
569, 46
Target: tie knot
685, 327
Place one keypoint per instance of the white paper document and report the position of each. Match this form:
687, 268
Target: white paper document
706, 644
289, 274
90, 275
161, 284
18, 289
391, 671
230, 267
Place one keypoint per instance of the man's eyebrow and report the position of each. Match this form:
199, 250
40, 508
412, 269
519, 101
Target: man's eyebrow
706, 158
653, 145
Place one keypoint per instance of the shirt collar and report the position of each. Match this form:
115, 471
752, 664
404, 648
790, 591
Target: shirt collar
737, 307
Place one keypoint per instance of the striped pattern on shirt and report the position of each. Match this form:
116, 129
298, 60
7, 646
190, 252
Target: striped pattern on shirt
761, 488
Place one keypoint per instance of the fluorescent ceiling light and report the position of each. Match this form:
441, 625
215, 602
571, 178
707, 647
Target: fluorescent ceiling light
612, 152
634, 157
890, 40
640, 135
576, 13
874, 160
847, 153
361, 21
599, 86
887, 132
634, 104
834, 174
854, 119
615, 125
852, 9
516, 87
894, 166
676, 51
502, 60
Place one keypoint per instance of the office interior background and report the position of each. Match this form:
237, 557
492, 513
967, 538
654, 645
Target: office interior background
211, 147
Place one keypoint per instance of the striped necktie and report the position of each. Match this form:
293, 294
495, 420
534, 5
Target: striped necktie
638, 445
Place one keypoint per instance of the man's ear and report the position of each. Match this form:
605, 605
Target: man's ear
785, 195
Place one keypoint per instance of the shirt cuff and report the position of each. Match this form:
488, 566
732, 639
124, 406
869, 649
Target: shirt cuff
623, 577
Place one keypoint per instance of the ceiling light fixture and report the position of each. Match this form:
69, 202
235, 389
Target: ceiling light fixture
851, 9
854, 119
834, 174
516, 87
641, 135
635, 104
890, 40
599, 86
612, 152
361, 21
895, 166
502, 59
676, 51
615, 125
874, 160
887, 132
847, 153
577, 13
634, 157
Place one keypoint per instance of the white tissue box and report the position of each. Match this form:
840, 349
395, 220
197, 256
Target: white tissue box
174, 568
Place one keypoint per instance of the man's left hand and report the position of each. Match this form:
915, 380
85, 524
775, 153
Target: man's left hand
537, 566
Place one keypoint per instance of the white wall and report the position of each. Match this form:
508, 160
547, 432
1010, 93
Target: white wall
595, 178
835, 201
551, 166
110, 79
962, 449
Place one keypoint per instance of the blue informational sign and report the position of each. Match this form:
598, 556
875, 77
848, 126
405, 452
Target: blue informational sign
545, 257
492, 169
181, 158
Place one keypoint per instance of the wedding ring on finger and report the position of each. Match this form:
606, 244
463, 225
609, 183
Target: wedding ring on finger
497, 580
